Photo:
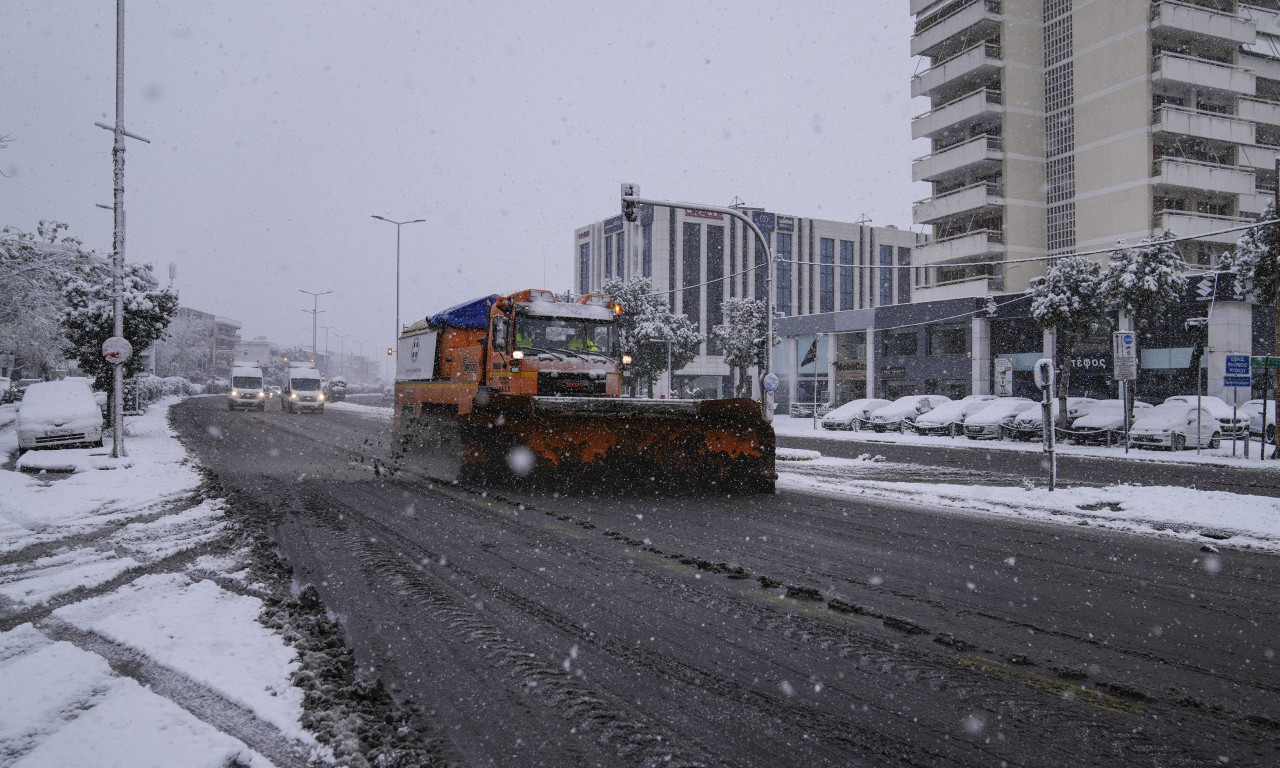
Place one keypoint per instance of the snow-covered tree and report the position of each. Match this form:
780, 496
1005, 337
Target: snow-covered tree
1145, 280
33, 268
742, 336
88, 319
647, 316
1067, 300
1253, 265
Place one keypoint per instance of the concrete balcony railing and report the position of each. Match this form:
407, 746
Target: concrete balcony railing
1202, 125
1199, 175
980, 156
1198, 225
1203, 73
1187, 19
1256, 202
1258, 157
957, 248
967, 199
1260, 111
973, 287
982, 104
972, 66
975, 20
1265, 21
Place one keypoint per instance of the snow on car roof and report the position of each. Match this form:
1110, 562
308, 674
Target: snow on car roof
48, 401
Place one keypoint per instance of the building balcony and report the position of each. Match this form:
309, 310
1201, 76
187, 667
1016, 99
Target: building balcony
1202, 125
1266, 22
1184, 20
979, 156
1198, 225
965, 71
973, 21
1261, 65
970, 288
1176, 69
1255, 203
969, 246
983, 104
971, 199
1259, 157
919, 5
1260, 111
1198, 175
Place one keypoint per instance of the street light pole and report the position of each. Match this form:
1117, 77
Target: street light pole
398, 224
326, 328
315, 309
342, 353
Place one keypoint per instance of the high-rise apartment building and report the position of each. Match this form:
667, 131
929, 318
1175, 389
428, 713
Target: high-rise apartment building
1061, 126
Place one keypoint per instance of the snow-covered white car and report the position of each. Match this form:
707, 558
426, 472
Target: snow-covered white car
1029, 425
55, 414
1230, 425
991, 422
849, 415
902, 411
1175, 425
1254, 409
1104, 421
948, 418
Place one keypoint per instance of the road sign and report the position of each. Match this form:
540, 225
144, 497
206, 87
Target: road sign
1265, 362
1124, 352
1237, 365
1004, 376
1236, 381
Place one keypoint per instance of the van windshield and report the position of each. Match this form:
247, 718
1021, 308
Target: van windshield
305, 385
246, 382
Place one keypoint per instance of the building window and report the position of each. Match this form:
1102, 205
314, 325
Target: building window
846, 274
608, 258
886, 275
900, 343
715, 284
904, 275
692, 261
784, 274
946, 339
622, 257
584, 268
827, 275
646, 233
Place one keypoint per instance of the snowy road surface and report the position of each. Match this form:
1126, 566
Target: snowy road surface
841, 622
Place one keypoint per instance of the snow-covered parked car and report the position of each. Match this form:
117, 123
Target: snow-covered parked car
56, 414
1104, 422
851, 414
1254, 409
1231, 425
1175, 425
991, 422
903, 411
948, 418
1029, 425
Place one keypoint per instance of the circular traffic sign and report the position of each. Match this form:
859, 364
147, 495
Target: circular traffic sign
769, 382
117, 350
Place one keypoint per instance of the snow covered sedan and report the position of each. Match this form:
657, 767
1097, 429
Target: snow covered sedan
1029, 425
991, 422
1254, 410
902, 411
1231, 425
948, 418
1175, 425
851, 414
55, 414
1104, 422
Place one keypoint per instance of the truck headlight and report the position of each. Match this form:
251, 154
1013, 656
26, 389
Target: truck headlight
518, 354
626, 361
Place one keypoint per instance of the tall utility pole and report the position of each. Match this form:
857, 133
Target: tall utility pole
326, 328
342, 353
398, 224
315, 310
117, 240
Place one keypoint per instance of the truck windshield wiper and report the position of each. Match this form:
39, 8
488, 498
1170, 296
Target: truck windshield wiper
540, 350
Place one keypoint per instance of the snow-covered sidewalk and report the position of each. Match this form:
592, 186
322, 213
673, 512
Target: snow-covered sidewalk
123, 646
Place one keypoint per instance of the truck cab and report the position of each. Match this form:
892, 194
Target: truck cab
247, 389
301, 390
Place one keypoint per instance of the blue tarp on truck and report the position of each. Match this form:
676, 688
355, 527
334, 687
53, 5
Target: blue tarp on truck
470, 315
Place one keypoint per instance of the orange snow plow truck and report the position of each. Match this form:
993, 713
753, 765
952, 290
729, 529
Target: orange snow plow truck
534, 387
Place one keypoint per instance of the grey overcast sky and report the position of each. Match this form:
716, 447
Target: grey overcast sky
278, 128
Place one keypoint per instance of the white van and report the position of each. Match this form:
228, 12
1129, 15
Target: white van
247, 390
302, 389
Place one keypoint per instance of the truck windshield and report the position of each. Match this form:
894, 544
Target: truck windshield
566, 334
246, 382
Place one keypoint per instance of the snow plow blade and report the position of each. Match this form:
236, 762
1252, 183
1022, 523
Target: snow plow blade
706, 444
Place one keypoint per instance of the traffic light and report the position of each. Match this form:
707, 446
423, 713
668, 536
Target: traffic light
630, 211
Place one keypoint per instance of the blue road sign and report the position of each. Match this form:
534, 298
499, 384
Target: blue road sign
1237, 365
1236, 381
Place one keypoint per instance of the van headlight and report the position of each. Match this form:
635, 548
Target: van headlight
320, 397
235, 393
293, 395
262, 394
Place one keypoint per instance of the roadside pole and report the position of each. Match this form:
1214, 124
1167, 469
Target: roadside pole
1044, 380
1124, 355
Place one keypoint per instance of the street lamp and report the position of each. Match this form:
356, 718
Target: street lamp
398, 225
342, 353
315, 304
326, 328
